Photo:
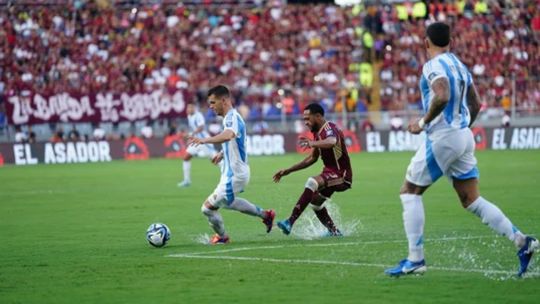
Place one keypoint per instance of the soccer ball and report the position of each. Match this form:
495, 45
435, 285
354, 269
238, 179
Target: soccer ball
158, 234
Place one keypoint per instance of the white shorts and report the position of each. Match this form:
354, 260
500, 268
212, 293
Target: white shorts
227, 189
201, 150
446, 152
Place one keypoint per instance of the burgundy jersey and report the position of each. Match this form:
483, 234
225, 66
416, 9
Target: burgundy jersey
335, 158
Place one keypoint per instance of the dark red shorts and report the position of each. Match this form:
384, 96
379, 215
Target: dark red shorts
334, 181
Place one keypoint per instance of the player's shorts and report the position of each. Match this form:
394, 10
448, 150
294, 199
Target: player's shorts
206, 150
334, 181
449, 153
227, 189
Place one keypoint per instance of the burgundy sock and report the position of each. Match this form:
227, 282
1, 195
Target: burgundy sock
325, 219
302, 203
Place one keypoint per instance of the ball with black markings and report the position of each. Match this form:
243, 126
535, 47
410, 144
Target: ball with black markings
158, 234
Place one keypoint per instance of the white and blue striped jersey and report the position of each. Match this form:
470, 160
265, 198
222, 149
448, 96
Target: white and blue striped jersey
196, 120
456, 114
235, 161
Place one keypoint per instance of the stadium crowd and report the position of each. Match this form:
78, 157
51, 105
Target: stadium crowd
497, 44
275, 58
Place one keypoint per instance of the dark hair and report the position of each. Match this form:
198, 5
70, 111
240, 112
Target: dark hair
219, 91
315, 108
439, 34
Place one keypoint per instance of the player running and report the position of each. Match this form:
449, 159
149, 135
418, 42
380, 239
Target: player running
235, 171
329, 144
451, 104
197, 128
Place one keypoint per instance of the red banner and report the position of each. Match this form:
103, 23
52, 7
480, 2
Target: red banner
175, 146
135, 149
30, 108
480, 138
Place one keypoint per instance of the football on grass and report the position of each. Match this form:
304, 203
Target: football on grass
158, 234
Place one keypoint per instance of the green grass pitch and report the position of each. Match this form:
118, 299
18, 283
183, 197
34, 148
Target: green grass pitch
76, 234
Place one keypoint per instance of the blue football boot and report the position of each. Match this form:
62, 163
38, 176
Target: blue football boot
525, 254
407, 267
285, 226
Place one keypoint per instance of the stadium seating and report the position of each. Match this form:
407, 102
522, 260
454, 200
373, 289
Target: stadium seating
269, 55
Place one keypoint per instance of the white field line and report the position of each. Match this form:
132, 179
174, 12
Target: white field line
297, 261
326, 245
205, 255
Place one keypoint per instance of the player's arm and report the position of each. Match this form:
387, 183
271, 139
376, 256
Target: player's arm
217, 158
441, 88
306, 162
473, 102
326, 143
222, 137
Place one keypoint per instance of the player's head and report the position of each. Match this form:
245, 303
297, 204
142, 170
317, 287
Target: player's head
314, 116
190, 109
219, 99
437, 36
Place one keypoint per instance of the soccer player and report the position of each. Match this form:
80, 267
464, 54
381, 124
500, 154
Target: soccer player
329, 144
197, 128
451, 104
235, 171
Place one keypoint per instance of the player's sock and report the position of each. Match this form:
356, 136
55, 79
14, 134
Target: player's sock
215, 220
301, 205
187, 171
325, 219
413, 221
244, 206
492, 216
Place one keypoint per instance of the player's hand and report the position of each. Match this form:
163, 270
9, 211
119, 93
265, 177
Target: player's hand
195, 141
304, 142
414, 127
279, 175
217, 158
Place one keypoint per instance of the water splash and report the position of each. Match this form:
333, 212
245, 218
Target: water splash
202, 238
494, 257
308, 226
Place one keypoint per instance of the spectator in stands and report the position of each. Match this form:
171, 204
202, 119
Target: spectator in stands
94, 48
73, 134
505, 121
98, 133
3, 120
31, 135
147, 131
58, 136
396, 123
367, 126
20, 135
260, 127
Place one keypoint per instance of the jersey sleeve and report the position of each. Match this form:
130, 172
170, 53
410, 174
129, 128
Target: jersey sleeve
433, 70
328, 131
231, 123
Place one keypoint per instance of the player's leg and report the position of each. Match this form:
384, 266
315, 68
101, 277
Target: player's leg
311, 186
318, 206
210, 210
422, 171
243, 205
413, 222
332, 183
492, 216
413, 218
465, 176
186, 166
